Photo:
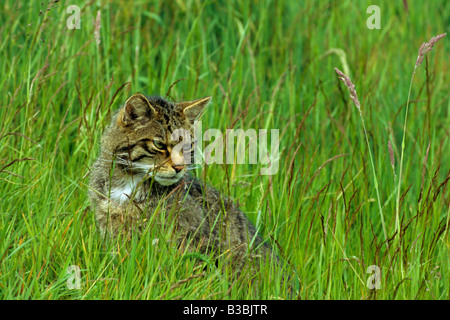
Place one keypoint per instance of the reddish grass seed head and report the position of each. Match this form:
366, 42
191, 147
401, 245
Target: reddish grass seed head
426, 47
350, 86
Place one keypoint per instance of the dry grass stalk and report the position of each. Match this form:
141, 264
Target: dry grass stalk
423, 50
353, 95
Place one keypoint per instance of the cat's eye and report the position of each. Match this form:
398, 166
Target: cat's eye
159, 145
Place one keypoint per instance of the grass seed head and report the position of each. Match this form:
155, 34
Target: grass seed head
351, 87
426, 47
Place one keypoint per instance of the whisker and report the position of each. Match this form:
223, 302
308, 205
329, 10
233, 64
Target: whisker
115, 154
106, 150
120, 161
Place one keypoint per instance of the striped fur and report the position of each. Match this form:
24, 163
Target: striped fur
133, 179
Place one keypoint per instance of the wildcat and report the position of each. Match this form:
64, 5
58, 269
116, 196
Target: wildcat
137, 170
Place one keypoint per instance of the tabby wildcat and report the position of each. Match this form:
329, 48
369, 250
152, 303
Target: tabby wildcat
137, 170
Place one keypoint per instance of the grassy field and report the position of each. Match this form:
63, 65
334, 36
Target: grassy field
268, 65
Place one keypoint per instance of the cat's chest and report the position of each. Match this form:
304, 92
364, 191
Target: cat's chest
131, 188
138, 190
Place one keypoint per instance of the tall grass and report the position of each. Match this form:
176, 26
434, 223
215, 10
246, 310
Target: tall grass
423, 50
353, 95
267, 66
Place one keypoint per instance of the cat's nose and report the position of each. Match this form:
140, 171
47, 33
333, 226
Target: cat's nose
178, 168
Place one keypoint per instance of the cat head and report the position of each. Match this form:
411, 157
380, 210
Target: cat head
141, 136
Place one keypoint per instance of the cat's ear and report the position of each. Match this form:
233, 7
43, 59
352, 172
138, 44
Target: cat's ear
193, 109
136, 107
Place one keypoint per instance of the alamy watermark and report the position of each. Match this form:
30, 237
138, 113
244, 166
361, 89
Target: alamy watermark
374, 21
73, 22
374, 281
74, 280
229, 148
